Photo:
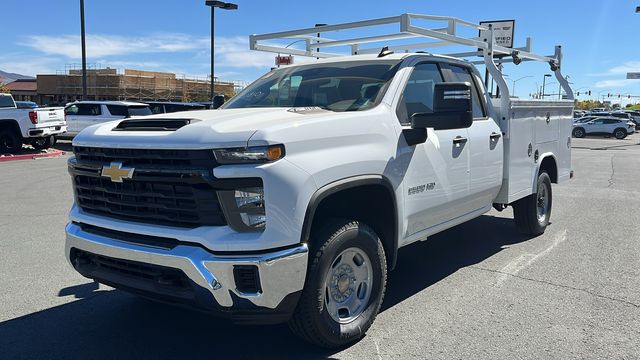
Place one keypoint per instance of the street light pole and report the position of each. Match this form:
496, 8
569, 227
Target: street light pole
513, 88
544, 80
84, 52
213, 5
211, 85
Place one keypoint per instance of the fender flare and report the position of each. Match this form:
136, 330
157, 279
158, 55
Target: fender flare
344, 184
543, 156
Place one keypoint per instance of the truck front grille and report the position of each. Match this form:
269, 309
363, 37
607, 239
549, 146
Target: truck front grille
176, 190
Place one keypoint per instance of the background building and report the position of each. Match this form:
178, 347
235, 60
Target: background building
111, 84
24, 90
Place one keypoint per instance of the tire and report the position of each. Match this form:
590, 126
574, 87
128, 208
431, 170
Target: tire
620, 133
578, 132
532, 213
331, 270
10, 142
43, 143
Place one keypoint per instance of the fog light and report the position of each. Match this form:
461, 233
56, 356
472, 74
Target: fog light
250, 203
249, 197
244, 208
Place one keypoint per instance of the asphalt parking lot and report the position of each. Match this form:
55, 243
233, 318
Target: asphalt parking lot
479, 290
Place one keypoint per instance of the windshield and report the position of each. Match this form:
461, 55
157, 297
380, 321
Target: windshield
348, 86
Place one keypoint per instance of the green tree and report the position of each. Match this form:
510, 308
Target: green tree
4, 88
588, 104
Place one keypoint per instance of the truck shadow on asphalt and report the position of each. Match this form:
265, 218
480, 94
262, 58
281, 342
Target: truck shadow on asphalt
113, 324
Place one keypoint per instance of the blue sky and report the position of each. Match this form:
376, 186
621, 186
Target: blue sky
599, 38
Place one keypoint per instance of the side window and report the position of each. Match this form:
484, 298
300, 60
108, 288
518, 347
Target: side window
171, 108
88, 109
117, 110
71, 110
417, 96
461, 74
156, 108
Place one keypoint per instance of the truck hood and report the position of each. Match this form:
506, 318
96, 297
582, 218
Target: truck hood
212, 128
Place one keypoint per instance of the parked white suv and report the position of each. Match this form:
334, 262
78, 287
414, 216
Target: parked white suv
607, 126
82, 114
291, 201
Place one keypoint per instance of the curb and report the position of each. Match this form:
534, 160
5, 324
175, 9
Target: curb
32, 156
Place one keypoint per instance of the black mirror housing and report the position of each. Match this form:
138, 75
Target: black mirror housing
451, 108
218, 100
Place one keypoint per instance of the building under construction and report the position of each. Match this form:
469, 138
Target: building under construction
111, 84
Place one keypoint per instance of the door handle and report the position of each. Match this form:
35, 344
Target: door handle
459, 140
495, 136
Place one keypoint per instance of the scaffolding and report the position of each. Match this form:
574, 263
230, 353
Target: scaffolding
105, 83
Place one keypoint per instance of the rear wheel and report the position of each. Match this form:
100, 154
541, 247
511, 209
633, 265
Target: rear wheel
345, 285
533, 212
10, 142
620, 133
578, 132
43, 143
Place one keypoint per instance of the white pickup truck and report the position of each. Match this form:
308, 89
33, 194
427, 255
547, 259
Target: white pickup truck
37, 127
289, 204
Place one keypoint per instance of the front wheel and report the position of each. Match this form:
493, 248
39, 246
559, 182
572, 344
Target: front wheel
43, 143
345, 285
533, 212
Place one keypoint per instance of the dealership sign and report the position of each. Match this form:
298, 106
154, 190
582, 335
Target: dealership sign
502, 32
284, 60
633, 75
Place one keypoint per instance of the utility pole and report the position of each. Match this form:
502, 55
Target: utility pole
84, 52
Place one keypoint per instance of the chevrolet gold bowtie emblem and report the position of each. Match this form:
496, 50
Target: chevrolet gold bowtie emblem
116, 172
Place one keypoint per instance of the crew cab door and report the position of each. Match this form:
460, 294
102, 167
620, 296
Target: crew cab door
485, 142
436, 177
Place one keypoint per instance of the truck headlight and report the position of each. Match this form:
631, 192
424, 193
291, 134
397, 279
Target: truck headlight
249, 155
244, 208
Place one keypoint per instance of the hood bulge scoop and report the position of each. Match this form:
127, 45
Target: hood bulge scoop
153, 124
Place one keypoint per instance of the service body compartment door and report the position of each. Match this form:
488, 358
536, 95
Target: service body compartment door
536, 129
546, 125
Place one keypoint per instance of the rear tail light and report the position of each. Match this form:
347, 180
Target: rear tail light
33, 116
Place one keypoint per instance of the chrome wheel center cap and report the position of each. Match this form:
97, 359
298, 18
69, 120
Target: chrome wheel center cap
343, 283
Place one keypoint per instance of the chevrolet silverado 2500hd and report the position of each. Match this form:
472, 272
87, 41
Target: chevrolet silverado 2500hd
291, 201
37, 127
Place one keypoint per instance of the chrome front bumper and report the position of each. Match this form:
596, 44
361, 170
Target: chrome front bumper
281, 273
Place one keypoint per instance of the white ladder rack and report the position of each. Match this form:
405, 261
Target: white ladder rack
414, 38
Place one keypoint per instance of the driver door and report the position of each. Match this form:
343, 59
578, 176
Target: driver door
436, 182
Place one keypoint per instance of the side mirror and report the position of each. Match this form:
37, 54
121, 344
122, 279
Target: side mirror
451, 108
218, 100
